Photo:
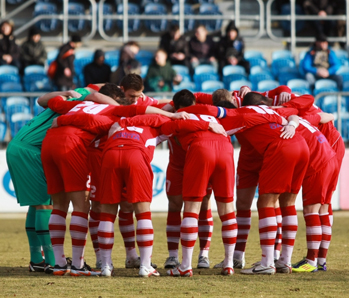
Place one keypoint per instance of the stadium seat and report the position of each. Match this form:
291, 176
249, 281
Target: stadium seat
18, 120
82, 58
8, 69
189, 25
329, 104
343, 56
156, 9
38, 69
267, 85
210, 9
260, 69
144, 71
145, 57
233, 73
3, 130
203, 77
37, 82
133, 24
211, 86
281, 54
16, 104
255, 58
11, 87
185, 85
112, 58
258, 77
299, 86
183, 71
236, 85
7, 78
344, 72
288, 73
76, 9
325, 85
37, 109
50, 9
233, 77
253, 54
279, 63
107, 11
205, 68
51, 56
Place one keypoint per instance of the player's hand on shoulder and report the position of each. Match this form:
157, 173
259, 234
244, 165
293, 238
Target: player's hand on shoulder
243, 91
217, 128
284, 97
54, 123
288, 132
180, 115
73, 94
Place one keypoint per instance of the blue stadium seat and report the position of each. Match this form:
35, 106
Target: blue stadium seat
211, 86
259, 69
112, 58
7, 78
255, 58
144, 71
133, 24
236, 85
325, 85
16, 105
233, 77
50, 9
344, 72
202, 77
281, 54
155, 9
107, 11
185, 85
258, 77
233, 73
38, 69
329, 104
253, 54
343, 56
145, 57
267, 85
205, 68
299, 86
288, 73
279, 63
210, 9
8, 69
82, 58
3, 130
18, 120
76, 9
345, 127
188, 10
183, 71
37, 82
51, 56
37, 108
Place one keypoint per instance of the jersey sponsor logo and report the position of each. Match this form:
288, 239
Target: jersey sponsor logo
8, 186
159, 180
126, 135
274, 125
321, 139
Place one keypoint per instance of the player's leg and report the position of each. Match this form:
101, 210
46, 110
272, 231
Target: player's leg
205, 230
326, 228
106, 237
93, 224
225, 207
277, 246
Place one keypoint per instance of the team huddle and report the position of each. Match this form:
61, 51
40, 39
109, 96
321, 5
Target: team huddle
102, 139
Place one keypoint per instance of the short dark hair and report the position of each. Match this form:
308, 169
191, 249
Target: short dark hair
183, 98
253, 99
112, 90
132, 43
220, 95
123, 101
225, 104
132, 81
75, 38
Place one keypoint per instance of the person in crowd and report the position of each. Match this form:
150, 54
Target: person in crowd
97, 71
9, 50
321, 62
128, 52
131, 66
175, 46
202, 48
231, 48
65, 71
33, 51
161, 75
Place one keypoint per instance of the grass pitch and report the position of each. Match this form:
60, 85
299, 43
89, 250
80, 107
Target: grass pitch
16, 281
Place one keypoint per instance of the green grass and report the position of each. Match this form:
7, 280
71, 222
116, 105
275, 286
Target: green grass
16, 281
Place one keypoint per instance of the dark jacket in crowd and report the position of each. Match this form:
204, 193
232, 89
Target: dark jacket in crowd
313, 7
95, 73
9, 46
202, 50
60, 79
33, 53
158, 73
175, 46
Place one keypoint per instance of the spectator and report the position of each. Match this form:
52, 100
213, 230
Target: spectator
97, 71
176, 46
202, 48
65, 72
9, 50
128, 52
161, 75
321, 62
231, 48
321, 8
131, 66
33, 51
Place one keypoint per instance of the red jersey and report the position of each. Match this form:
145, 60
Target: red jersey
147, 101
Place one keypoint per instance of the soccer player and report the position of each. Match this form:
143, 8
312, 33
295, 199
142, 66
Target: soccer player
23, 157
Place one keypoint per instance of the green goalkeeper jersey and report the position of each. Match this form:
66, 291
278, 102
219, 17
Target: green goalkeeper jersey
34, 132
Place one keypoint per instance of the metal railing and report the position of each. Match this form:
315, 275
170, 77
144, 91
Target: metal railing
293, 17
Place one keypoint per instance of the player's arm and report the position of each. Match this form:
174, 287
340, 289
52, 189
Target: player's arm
60, 105
153, 110
144, 120
203, 98
44, 99
101, 98
301, 103
289, 130
318, 118
168, 107
163, 101
214, 111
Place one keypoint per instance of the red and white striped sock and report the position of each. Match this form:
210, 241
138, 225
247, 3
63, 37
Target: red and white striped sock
326, 237
145, 237
57, 228
106, 237
78, 233
289, 231
173, 232
127, 230
93, 224
243, 219
229, 233
189, 234
314, 235
278, 240
330, 214
267, 234
205, 231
